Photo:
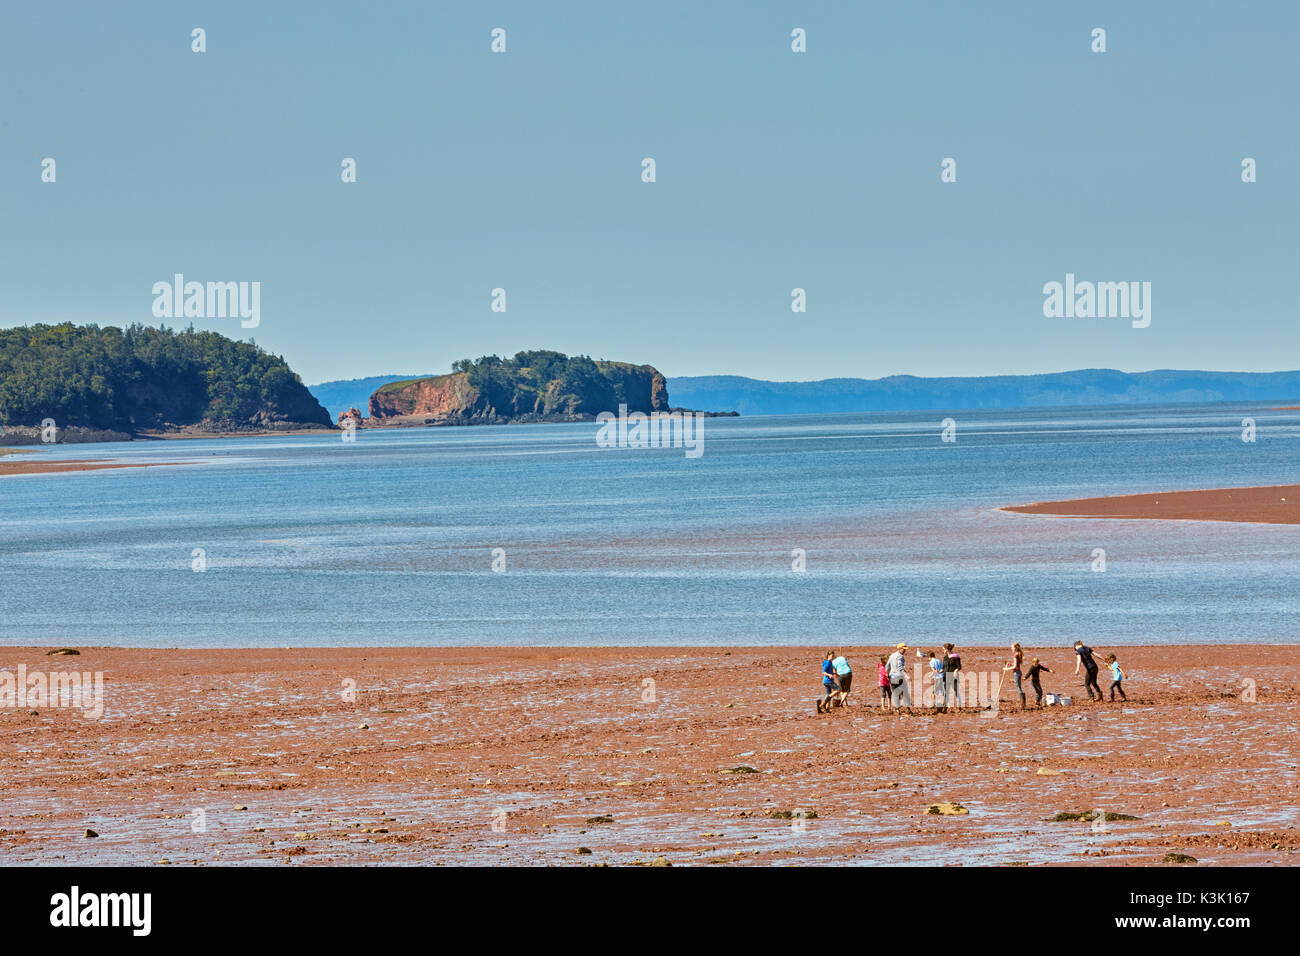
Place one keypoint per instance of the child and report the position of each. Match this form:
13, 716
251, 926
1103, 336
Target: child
884, 685
936, 672
1116, 678
1033, 671
829, 683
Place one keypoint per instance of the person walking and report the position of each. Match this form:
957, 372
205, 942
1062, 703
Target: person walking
883, 672
1116, 677
1083, 656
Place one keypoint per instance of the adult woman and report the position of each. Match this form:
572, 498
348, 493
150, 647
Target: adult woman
1017, 659
951, 667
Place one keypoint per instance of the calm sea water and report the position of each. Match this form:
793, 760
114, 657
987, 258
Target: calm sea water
390, 540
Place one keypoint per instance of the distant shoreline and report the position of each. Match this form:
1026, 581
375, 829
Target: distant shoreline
191, 432
28, 437
76, 435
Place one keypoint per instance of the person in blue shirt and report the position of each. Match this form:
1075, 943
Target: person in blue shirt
936, 673
829, 683
1116, 677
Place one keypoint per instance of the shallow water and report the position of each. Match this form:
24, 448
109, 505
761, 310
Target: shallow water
313, 541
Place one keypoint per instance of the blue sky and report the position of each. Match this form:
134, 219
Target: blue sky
775, 170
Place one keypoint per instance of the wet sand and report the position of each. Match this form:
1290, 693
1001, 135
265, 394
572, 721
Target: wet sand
27, 466
1274, 504
18, 463
535, 755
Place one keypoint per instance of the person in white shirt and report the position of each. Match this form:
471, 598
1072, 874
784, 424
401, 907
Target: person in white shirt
896, 667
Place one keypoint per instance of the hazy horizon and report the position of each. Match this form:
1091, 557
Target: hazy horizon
775, 170
398, 376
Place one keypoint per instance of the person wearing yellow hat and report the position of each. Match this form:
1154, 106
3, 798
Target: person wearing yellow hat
896, 667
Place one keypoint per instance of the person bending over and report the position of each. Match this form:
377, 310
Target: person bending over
843, 674
1033, 671
829, 683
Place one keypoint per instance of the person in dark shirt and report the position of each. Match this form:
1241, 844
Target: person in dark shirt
1033, 671
1083, 655
951, 666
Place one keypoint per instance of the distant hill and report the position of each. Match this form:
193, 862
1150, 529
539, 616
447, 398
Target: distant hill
751, 396
340, 395
907, 392
530, 386
144, 379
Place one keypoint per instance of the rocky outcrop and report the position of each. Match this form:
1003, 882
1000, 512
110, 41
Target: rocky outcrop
502, 393
442, 396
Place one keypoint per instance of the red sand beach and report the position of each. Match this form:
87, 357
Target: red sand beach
574, 756
1274, 504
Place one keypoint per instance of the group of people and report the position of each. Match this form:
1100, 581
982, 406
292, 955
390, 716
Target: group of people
895, 689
